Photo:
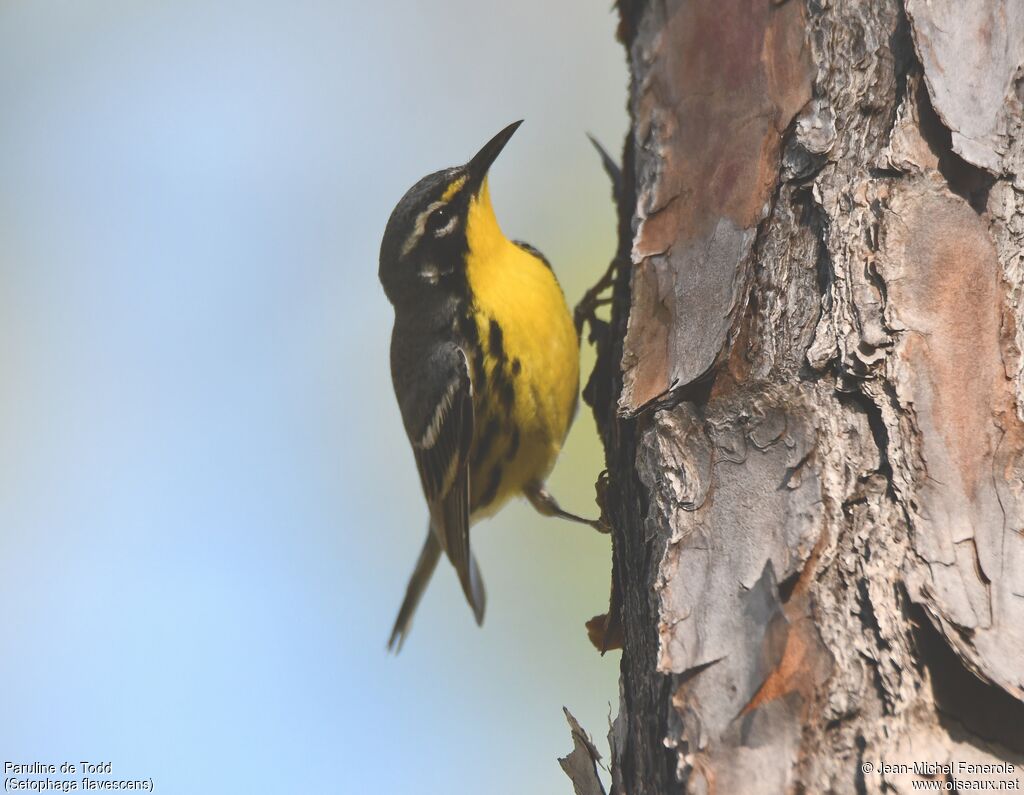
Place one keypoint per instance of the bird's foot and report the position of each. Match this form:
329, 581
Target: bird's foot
546, 505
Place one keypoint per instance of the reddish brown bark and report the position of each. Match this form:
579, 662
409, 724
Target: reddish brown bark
811, 394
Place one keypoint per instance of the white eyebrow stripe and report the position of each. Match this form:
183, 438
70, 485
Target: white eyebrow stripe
417, 229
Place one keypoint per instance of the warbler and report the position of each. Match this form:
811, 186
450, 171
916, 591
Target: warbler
484, 362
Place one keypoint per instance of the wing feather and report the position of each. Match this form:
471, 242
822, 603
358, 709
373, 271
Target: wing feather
442, 458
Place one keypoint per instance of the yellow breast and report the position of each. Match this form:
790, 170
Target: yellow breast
526, 391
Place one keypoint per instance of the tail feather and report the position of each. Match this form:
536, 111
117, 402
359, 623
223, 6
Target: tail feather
425, 566
473, 587
478, 600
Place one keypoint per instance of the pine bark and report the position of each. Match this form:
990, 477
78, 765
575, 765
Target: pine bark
811, 396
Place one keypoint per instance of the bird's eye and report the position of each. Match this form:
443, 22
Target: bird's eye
440, 222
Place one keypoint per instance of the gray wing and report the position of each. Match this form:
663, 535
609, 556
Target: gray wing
437, 408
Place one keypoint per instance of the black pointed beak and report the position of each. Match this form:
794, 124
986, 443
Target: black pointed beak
477, 167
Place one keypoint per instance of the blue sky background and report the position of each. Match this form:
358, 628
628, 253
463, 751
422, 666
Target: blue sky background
208, 511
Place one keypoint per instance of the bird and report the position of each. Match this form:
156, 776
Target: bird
484, 363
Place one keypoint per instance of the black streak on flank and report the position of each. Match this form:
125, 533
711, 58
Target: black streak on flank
513, 445
467, 325
492, 487
507, 392
486, 442
495, 341
516, 367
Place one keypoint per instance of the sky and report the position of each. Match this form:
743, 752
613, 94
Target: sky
208, 508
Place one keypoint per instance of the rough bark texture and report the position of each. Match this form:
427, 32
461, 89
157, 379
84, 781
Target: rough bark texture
811, 393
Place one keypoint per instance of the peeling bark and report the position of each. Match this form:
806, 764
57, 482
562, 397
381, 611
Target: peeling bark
708, 125
580, 764
811, 394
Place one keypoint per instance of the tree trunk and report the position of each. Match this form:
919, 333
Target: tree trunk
811, 395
